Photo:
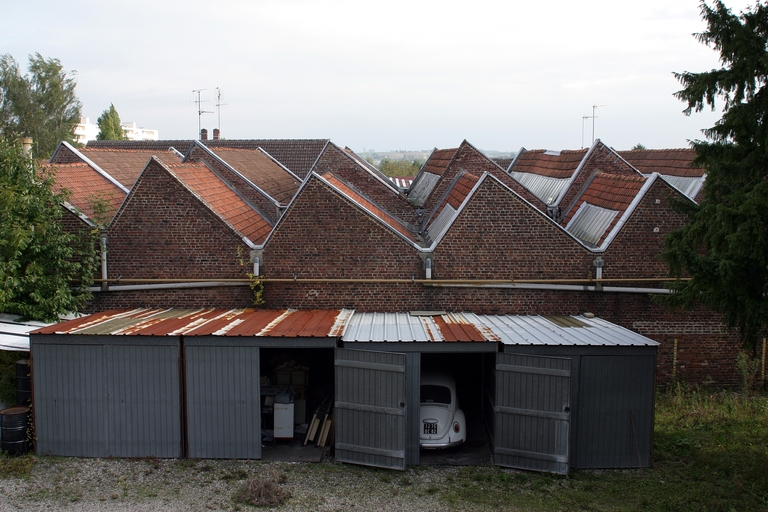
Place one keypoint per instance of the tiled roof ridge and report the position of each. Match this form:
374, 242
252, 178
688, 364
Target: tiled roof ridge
120, 150
654, 150
561, 151
620, 177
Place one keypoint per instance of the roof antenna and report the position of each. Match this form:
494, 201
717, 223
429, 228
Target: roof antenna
593, 120
219, 104
200, 110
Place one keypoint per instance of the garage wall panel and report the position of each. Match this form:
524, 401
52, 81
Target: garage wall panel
615, 411
69, 400
223, 402
143, 400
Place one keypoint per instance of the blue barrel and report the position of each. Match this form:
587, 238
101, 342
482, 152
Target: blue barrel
14, 423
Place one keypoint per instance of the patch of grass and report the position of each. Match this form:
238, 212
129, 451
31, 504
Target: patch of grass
238, 474
710, 453
16, 467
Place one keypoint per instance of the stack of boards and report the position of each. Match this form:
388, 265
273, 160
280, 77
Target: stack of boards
321, 426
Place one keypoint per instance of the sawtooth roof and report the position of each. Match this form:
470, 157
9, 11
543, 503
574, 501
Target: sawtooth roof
86, 187
606, 192
125, 165
298, 155
262, 171
553, 164
220, 198
667, 162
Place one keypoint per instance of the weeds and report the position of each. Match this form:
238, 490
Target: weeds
263, 490
16, 467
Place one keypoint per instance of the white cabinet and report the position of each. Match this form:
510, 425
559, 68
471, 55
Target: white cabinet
283, 421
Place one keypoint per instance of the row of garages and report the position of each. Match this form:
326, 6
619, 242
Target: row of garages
554, 393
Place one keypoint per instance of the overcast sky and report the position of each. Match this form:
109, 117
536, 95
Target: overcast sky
384, 75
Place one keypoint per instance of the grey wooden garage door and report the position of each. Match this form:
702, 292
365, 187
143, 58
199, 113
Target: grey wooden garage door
223, 402
532, 412
370, 407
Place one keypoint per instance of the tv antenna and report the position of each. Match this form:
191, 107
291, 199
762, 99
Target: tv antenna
584, 118
219, 104
594, 107
200, 110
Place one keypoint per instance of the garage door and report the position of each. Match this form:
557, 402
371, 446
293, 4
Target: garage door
370, 407
223, 402
532, 412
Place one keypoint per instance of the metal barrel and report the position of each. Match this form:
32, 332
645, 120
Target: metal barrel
23, 383
14, 423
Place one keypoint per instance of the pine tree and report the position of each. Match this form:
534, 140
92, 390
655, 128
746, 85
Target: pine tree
110, 127
724, 245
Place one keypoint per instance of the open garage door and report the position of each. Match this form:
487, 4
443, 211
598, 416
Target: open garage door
370, 408
532, 412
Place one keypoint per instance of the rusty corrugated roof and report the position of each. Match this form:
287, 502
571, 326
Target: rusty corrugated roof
207, 322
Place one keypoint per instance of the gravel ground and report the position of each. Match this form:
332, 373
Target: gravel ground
61, 483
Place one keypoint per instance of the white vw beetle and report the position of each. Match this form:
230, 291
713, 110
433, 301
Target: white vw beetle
442, 423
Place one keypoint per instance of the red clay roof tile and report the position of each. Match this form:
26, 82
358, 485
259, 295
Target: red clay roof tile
262, 171
224, 201
438, 161
670, 162
125, 165
86, 188
541, 162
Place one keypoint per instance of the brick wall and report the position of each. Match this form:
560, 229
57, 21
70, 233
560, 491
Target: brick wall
64, 155
323, 234
164, 231
335, 160
509, 239
219, 297
636, 250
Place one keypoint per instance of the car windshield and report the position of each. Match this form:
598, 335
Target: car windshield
432, 394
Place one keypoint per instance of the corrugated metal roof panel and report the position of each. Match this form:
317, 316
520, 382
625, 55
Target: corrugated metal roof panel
590, 222
207, 322
422, 187
355, 327
688, 186
456, 327
538, 330
544, 187
391, 327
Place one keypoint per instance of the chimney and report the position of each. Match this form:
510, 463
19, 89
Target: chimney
203, 134
26, 145
215, 134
